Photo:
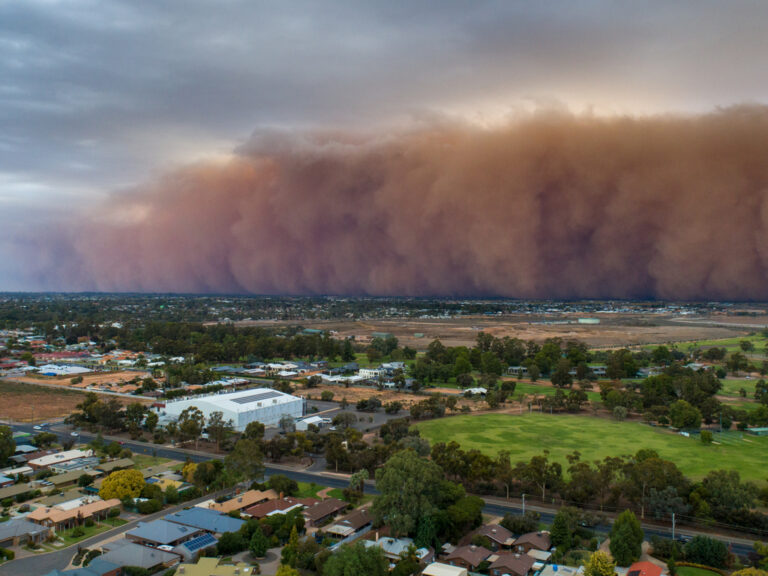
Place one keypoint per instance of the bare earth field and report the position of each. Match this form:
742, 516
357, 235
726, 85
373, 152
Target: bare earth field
355, 393
23, 402
96, 379
614, 330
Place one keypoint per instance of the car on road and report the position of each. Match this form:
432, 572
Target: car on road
74, 433
37, 427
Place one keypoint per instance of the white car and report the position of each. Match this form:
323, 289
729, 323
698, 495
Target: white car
75, 434
36, 427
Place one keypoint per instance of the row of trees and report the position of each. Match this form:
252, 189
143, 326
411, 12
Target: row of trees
644, 481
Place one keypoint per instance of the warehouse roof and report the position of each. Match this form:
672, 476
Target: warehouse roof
244, 400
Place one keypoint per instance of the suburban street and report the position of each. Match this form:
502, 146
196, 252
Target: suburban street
43, 563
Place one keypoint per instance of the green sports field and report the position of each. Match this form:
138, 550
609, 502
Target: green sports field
529, 434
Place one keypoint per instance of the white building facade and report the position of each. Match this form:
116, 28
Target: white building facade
255, 405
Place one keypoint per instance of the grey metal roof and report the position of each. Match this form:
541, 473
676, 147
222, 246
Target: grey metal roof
256, 397
161, 531
132, 554
205, 519
19, 527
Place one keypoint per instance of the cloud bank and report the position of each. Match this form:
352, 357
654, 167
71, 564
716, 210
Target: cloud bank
551, 205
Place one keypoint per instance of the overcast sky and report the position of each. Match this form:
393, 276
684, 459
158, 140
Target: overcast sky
98, 95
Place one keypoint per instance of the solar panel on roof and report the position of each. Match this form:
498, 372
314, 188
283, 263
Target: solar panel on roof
256, 397
200, 542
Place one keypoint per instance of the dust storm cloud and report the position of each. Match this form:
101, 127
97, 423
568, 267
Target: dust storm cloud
550, 205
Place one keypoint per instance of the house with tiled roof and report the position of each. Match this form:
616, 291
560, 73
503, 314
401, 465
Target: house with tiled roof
497, 535
532, 540
511, 564
644, 569
61, 519
323, 511
469, 557
243, 501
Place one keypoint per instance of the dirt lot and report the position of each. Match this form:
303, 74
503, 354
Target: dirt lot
27, 402
355, 393
96, 379
614, 329
22, 402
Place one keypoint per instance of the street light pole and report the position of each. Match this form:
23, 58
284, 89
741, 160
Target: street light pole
673, 525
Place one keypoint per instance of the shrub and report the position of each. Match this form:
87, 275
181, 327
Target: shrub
90, 556
89, 522
707, 551
114, 513
78, 531
149, 506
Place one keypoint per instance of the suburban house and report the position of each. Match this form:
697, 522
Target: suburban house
532, 541
322, 511
211, 567
644, 569
126, 553
112, 465
60, 518
74, 464
469, 557
351, 524
241, 501
439, 569
280, 506
70, 478
498, 536
15, 490
5, 481
191, 549
512, 564
58, 458
206, 520
161, 533
20, 531
394, 547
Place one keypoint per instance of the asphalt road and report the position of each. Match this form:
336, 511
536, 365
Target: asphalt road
494, 506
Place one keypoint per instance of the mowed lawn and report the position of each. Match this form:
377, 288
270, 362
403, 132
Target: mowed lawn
530, 434
694, 571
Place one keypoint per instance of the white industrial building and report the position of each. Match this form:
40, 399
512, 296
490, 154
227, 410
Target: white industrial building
255, 405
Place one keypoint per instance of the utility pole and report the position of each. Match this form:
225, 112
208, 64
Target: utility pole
523, 504
673, 525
